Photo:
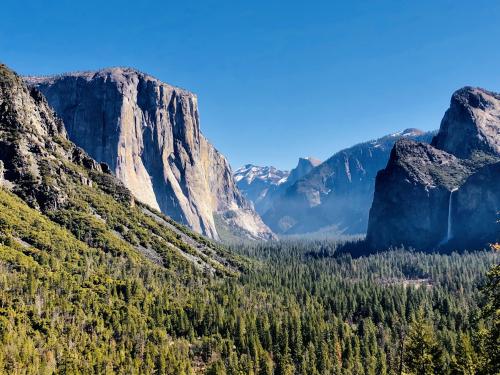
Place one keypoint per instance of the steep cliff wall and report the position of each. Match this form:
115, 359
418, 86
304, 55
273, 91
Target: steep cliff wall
413, 203
149, 134
475, 217
411, 200
34, 148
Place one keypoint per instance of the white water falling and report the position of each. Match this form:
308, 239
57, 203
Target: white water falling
449, 234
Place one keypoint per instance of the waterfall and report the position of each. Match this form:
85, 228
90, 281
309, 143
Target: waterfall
449, 234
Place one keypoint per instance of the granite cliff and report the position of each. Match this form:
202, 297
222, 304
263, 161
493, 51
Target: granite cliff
476, 209
416, 184
443, 195
78, 196
148, 132
471, 124
33, 142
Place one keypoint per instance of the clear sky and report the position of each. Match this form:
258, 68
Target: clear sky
275, 79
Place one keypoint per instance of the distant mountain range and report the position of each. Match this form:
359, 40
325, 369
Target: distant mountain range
333, 197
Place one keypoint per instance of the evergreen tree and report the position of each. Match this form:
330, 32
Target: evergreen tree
491, 312
421, 349
465, 361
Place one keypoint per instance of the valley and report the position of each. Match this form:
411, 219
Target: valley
95, 277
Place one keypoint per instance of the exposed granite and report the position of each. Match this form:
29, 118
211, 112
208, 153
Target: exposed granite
471, 124
335, 196
476, 209
149, 134
33, 145
411, 200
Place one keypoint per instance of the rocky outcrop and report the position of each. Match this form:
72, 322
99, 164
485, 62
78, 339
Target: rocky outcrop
443, 195
411, 200
471, 124
148, 132
304, 166
335, 196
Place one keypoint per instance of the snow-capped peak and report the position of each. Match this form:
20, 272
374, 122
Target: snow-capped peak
270, 175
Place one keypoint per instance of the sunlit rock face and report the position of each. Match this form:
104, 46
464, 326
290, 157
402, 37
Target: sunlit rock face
443, 195
148, 132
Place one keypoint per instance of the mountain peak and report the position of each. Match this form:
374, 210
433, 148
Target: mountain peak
409, 132
304, 166
33, 144
310, 160
425, 188
471, 124
412, 132
268, 174
336, 194
26, 109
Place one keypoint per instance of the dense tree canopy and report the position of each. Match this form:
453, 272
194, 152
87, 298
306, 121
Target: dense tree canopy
72, 304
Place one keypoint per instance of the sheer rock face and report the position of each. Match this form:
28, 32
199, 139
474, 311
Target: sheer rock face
149, 134
471, 124
304, 166
476, 209
411, 200
413, 203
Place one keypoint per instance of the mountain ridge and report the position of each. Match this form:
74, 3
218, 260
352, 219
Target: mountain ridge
329, 198
261, 185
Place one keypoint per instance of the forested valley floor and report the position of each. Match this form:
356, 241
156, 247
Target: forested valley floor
294, 307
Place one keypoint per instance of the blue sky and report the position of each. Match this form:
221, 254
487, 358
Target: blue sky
275, 79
